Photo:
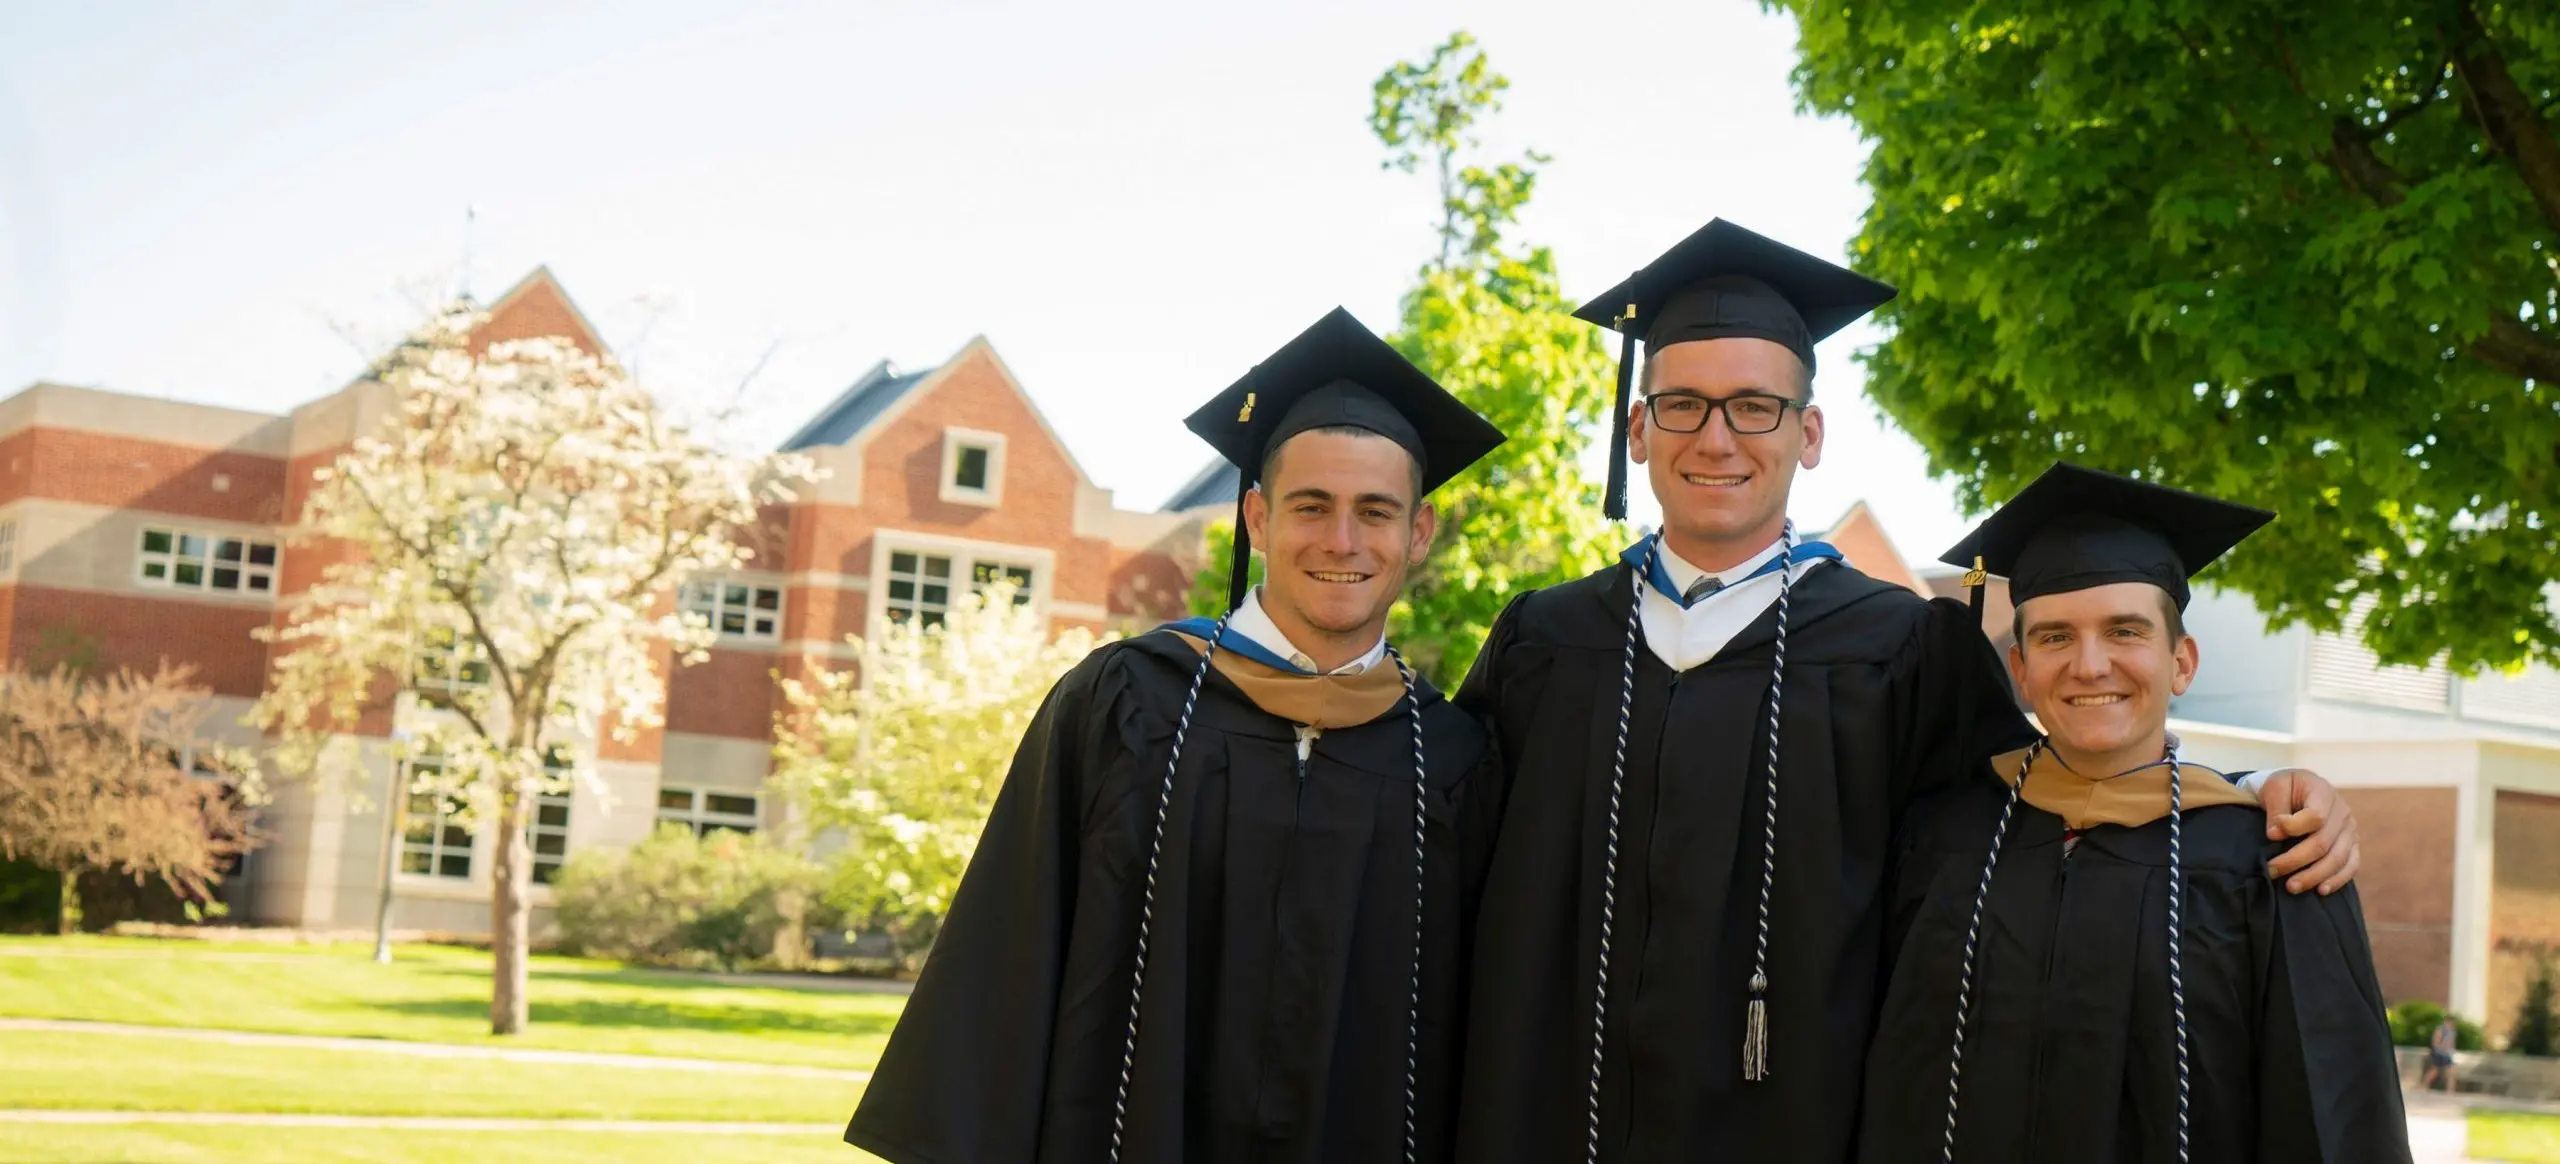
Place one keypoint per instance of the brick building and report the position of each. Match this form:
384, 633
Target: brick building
134, 530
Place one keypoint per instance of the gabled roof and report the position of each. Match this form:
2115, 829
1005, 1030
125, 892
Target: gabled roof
1214, 484
871, 394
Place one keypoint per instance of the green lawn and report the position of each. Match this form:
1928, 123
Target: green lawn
2516, 1136
27, 1144
434, 994
43, 1069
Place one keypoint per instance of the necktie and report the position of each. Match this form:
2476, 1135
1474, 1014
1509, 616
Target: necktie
1700, 589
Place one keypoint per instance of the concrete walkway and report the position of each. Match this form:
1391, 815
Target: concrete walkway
423, 1123
431, 1050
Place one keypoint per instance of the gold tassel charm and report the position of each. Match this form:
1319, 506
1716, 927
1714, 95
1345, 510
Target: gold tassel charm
1755, 1034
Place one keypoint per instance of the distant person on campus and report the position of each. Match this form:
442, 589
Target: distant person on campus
2438, 1075
2088, 960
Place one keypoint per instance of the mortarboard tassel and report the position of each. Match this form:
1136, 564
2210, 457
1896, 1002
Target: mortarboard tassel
1974, 580
1755, 1033
1240, 561
1613, 504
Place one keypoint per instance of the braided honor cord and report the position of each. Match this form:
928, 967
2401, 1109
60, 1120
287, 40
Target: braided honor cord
1413, 998
2177, 930
1755, 1029
1756, 1035
1609, 867
1972, 939
1147, 911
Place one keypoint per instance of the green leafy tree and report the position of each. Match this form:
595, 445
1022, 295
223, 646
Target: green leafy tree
1487, 319
2297, 254
905, 752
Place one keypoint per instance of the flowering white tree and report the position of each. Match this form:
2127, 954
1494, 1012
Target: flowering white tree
513, 535
906, 751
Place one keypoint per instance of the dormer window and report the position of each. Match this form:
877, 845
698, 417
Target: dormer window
972, 466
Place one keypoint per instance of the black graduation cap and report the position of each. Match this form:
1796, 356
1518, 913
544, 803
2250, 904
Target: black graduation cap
1336, 373
2074, 528
1721, 282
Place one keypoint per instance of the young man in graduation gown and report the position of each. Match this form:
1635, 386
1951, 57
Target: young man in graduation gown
2088, 962
1215, 912
1708, 744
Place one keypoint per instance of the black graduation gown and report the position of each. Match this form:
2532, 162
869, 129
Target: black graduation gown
1885, 694
1274, 1024
2071, 1051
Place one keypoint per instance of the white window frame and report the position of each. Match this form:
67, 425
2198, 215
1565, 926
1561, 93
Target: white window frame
698, 814
717, 598
440, 670
201, 551
8, 544
966, 556
919, 580
954, 440
546, 866
438, 844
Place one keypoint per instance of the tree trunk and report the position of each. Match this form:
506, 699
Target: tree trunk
70, 902
510, 909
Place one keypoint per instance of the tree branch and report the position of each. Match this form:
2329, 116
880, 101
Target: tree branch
2391, 120
2505, 114
2517, 350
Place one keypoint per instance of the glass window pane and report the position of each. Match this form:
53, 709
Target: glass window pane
456, 865
733, 621
415, 861
972, 470
1020, 576
902, 590
903, 563
731, 805
768, 598
550, 844
261, 554
190, 574
676, 798
764, 626
931, 618
155, 541
733, 595
553, 816
937, 567
190, 546
224, 579
261, 583
545, 871
228, 550
937, 595
456, 837
156, 571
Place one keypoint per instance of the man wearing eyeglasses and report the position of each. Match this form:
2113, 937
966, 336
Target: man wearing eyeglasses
1708, 747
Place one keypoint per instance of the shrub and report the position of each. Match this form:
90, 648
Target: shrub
2537, 1030
678, 900
2413, 1024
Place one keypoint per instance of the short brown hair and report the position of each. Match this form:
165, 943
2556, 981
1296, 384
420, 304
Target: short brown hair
2176, 621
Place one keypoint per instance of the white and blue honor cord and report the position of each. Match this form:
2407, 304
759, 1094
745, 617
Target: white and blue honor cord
1645, 559
1215, 636
2177, 931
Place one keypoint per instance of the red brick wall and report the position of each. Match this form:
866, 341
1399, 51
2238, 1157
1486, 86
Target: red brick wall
139, 631
128, 473
2406, 885
2524, 904
902, 484
540, 310
730, 694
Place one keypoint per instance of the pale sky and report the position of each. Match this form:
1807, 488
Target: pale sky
1133, 202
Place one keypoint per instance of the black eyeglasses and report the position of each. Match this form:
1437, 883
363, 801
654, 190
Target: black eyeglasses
1747, 414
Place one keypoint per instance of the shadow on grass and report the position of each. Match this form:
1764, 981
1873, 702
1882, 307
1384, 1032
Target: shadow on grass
654, 1014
